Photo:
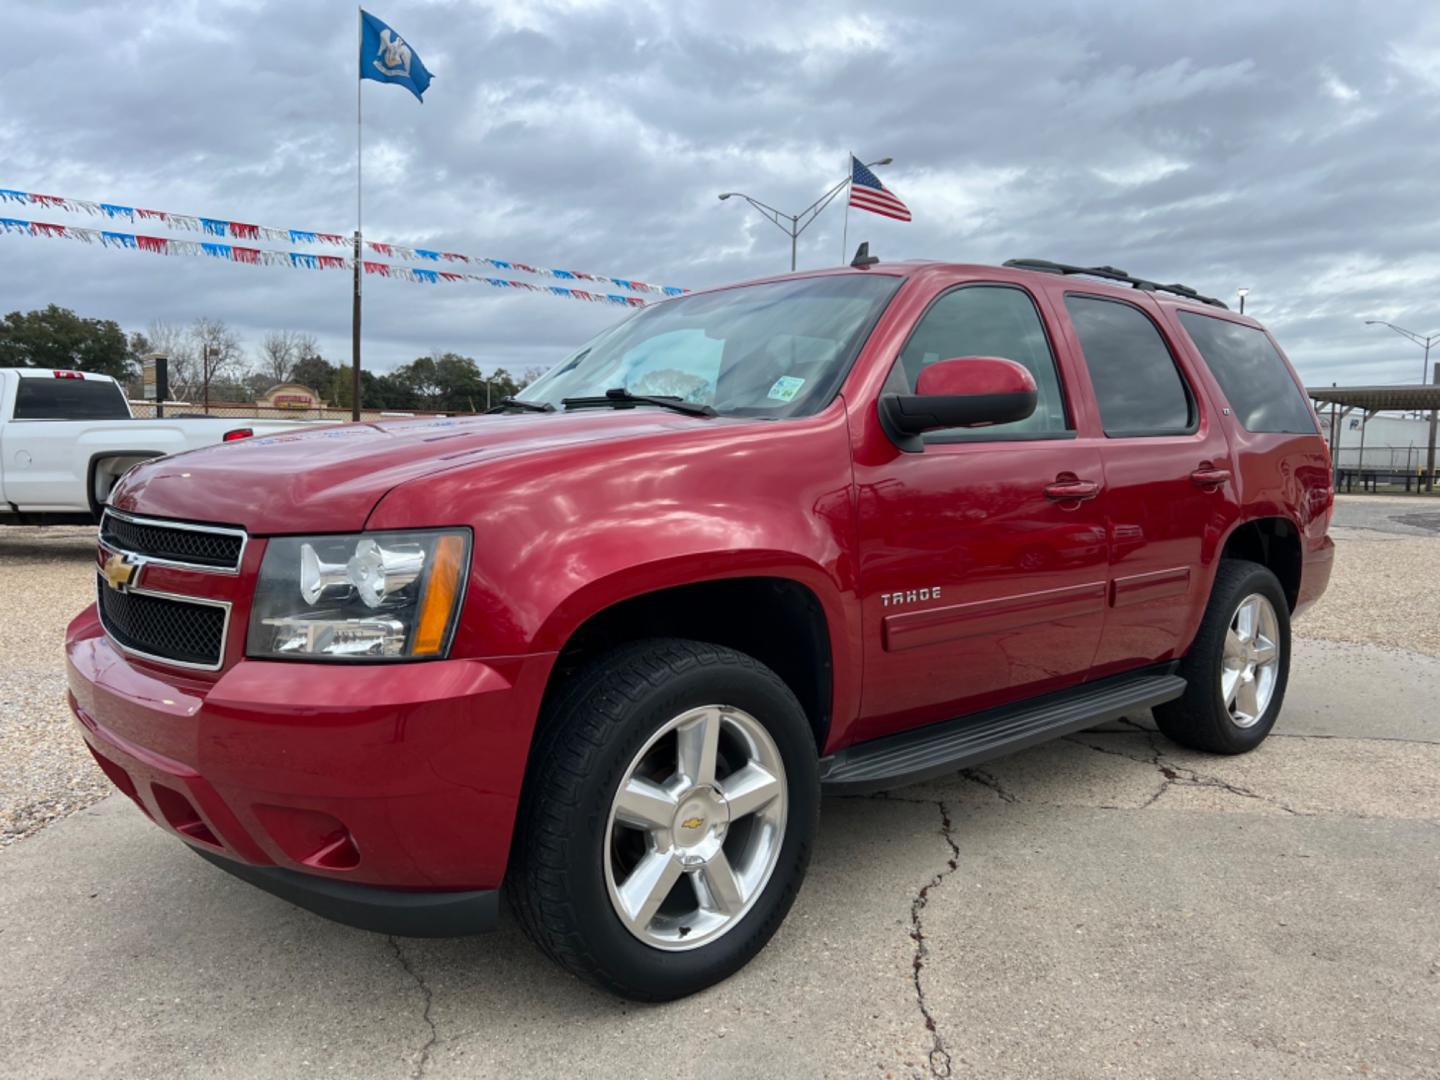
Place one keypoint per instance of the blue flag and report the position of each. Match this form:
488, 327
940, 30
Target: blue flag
386, 57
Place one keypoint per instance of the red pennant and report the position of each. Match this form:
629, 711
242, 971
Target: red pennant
243, 231
245, 255
45, 229
331, 262
383, 269
157, 244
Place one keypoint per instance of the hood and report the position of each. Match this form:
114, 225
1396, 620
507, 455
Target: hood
329, 479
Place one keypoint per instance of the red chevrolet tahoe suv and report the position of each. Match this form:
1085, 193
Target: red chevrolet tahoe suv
835, 531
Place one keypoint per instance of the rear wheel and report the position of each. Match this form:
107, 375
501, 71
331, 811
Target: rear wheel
668, 818
1237, 667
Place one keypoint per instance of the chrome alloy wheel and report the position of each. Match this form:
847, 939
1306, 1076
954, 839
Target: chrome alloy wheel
1250, 666
695, 828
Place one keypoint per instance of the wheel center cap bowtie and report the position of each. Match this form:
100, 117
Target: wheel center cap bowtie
700, 823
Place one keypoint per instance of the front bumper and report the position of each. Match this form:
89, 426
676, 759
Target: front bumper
386, 911
390, 779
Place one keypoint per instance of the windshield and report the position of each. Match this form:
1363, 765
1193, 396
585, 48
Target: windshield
772, 350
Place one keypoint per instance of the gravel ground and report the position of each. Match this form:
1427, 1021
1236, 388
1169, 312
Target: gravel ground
1377, 595
1385, 563
45, 770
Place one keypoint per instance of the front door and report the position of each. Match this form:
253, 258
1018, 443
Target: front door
983, 561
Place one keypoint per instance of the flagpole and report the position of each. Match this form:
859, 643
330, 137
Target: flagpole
355, 306
845, 232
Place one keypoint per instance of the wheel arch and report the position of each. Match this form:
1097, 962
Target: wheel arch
1274, 543
92, 473
785, 618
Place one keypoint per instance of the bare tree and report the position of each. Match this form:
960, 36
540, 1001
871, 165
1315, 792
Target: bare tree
217, 353
277, 355
174, 342
281, 350
305, 344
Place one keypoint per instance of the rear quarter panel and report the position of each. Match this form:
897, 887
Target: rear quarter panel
1277, 475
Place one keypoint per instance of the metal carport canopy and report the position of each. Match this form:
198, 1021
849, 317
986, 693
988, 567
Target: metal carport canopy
1378, 398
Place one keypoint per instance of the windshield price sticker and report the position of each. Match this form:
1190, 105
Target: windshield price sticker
785, 388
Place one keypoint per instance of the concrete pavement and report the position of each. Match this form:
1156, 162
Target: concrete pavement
1105, 906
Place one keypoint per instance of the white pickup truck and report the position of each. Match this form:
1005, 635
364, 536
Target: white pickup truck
67, 436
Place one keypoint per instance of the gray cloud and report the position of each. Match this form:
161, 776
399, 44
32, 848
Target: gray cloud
1287, 147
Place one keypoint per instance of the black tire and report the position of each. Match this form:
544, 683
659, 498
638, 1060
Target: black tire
591, 730
1201, 718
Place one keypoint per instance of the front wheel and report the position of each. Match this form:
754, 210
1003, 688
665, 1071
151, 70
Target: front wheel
1237, 667
668, 818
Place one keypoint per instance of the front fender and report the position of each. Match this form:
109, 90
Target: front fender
563, 533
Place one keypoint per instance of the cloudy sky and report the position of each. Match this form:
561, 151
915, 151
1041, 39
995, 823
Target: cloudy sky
1288, 147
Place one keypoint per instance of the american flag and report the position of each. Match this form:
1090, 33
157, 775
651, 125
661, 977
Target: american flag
868, 193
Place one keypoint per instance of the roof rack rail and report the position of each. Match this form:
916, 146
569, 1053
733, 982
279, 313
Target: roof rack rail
1111, 273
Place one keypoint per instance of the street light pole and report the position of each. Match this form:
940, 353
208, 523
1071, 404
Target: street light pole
1242, 293
792, 225
1424, 341
1410, 335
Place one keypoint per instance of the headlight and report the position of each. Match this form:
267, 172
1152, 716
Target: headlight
379, 596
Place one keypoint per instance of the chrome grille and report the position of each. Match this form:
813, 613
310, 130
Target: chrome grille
200, 547
170, 629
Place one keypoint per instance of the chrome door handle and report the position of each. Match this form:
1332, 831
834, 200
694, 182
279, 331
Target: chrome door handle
1072, 489
1207, 477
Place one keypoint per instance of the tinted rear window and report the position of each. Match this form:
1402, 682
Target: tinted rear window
1252, 373
1137, 385
69, 399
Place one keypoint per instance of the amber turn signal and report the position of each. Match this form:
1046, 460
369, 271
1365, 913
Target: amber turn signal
440, 592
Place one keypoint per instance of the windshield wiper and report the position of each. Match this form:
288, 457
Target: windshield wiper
523, 406
617, 397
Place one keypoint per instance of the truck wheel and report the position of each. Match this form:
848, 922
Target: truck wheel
667, 818
1237, 666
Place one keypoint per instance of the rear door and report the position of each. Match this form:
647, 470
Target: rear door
1169, 479
981, 581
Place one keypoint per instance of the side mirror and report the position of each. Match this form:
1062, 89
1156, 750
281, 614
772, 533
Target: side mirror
972, 391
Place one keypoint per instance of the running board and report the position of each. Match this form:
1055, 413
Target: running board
951, 745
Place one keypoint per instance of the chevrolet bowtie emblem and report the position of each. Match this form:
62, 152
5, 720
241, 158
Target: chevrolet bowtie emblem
119, 572
692, 823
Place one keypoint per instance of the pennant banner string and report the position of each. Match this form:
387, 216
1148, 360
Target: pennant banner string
298, 260
241, 230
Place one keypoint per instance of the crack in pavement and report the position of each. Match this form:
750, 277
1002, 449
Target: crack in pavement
1175, 773
940, 1064
939, 1056
1131, 727
986, 780
423, 1061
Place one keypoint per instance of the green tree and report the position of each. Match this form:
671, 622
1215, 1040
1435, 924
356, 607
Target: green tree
315, 372
57, 338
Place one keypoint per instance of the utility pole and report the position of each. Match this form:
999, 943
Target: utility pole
205, 372
1430, 460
